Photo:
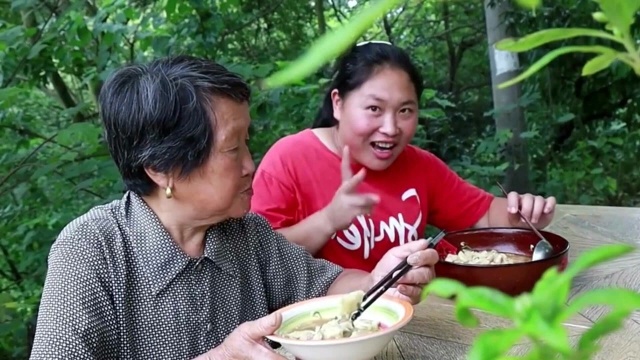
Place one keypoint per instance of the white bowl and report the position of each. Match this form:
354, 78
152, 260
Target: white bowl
391, 312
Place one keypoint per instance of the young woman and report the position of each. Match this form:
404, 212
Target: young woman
352, 187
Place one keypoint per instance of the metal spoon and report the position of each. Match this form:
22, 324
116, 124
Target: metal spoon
543, 248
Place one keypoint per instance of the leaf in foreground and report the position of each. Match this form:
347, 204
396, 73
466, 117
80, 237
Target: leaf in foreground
493, 343
330, 45
543, 37
550, 56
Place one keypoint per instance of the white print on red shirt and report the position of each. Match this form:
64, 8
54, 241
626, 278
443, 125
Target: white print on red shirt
364, 236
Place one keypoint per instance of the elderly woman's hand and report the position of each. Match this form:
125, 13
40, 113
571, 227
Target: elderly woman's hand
247, 341
410, 285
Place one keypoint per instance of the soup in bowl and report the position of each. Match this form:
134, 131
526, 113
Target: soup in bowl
500, 258
321, 328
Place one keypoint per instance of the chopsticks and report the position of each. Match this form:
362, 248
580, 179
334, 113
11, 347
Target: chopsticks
383, 285
522, 216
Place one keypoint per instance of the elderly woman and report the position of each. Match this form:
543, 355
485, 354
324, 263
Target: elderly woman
177, 268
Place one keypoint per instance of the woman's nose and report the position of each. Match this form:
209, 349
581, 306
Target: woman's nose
389, 127
248, 165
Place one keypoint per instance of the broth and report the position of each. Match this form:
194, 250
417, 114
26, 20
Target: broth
337, 327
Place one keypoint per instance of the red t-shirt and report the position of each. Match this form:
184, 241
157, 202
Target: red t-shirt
299, 176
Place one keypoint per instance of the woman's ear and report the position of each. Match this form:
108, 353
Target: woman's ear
162, 180
336, 101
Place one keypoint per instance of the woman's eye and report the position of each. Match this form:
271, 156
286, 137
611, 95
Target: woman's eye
373, 108
406, 111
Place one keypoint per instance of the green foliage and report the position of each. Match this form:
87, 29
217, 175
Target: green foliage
331, 45
539, 316
617, 15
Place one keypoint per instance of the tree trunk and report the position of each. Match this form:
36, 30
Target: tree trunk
508, 114
322, 23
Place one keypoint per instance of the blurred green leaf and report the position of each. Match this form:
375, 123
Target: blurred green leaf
529, 4
543, 37
550, 56
598, 63
487, 299
443, 287
550, 333
600, 17
551, 283
593, 257
565, 118
491, 344
464, 316
620, 13
588, 343
331, 45
619, 299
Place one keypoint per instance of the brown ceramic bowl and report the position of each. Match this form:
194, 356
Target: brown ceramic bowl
512, 279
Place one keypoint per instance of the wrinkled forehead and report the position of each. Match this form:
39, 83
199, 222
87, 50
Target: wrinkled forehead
231, 119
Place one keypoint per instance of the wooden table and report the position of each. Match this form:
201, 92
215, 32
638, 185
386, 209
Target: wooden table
434, 334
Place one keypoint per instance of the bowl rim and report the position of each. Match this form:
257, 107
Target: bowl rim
408, 315
562, 253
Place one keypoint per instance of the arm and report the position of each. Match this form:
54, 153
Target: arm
351, 280
291, 274
499, 216
76, 319
311, 233
454, 204
278, 203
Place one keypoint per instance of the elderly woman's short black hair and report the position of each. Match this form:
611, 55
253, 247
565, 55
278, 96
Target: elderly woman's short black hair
159, 115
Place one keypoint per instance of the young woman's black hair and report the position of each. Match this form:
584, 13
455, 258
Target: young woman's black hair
356, 67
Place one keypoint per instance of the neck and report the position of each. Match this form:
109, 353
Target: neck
336, 140
187, 232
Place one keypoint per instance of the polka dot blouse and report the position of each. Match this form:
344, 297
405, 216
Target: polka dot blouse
118, 287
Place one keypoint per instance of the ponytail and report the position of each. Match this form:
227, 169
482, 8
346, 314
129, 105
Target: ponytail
324, 117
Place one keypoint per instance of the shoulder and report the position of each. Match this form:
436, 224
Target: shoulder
92, 229
413, 155
288, 158
286, 150
256, 225
293, 141
258, 231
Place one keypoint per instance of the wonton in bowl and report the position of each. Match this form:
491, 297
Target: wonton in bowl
500, 258
321, 328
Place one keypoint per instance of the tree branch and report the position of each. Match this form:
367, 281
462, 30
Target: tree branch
88, 191
387, 28
35, 39
5, 275
337, 12
322, 23
451, 51
61, 88
24, 160
244, 24
28, 132
17, 276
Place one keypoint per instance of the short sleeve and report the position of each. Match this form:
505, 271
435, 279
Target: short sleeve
454, 204
76, 319
273, 197
290, 273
